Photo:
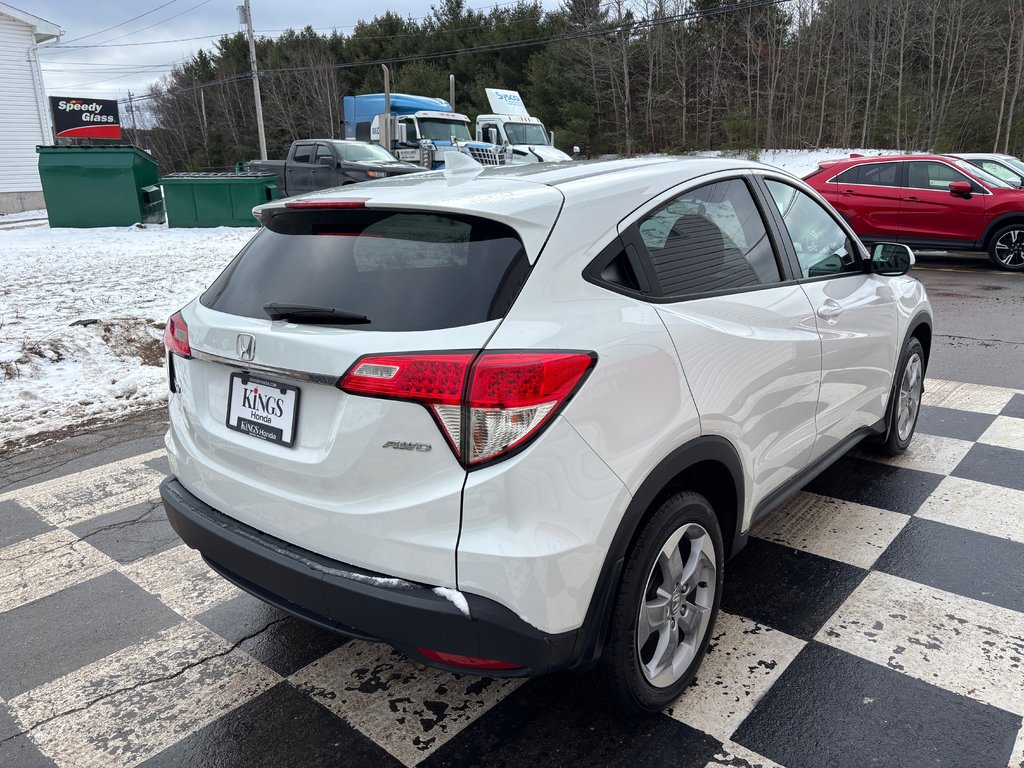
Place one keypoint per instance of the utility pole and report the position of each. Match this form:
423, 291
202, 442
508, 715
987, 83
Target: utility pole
244, 10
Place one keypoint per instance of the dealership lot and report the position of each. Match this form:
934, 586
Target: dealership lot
878, 616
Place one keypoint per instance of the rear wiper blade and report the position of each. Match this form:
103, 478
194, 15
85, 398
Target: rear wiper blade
308, 313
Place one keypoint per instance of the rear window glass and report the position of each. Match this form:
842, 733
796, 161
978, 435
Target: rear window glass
405, 271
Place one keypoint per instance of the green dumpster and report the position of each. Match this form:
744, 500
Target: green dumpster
113, 186
216, 199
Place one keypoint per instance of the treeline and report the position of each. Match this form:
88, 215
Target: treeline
628, 76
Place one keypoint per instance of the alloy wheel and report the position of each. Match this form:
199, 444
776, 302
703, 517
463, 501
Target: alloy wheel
677, 605
911, 386
1009, 249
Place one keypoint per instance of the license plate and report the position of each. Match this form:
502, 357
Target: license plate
267, 410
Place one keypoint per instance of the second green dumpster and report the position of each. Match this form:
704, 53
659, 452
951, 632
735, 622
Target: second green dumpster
216, 199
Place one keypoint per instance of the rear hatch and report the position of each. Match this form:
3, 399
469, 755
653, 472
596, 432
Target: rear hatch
273, 442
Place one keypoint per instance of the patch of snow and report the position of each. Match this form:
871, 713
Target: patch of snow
455, 597
6, 218
54, 375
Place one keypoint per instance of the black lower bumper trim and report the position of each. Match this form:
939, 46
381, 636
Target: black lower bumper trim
359, 603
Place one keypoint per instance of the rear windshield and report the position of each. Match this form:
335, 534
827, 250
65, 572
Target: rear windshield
404, 271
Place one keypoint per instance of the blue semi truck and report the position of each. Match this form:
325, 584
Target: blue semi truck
421, 129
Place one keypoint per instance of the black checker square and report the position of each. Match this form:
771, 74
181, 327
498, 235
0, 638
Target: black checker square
787, 589
994, 465
951, 422
830, 708
16, 748
130, 534
18, 524
572, 720
1014, 408
65, 631
957, 560
280, 727
862, 481
282, 642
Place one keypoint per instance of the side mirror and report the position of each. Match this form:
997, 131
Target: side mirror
893, 259
960, 188
330, 162
403, 133
491, 135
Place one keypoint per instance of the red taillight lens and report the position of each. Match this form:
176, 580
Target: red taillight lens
467, 662
513, 395
176, 336
510, 397
435, 380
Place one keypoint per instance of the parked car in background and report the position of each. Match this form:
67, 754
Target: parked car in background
314, 164
515, 420
927, 201
1006, 167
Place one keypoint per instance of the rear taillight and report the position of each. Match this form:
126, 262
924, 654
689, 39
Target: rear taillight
488, 405
176, 336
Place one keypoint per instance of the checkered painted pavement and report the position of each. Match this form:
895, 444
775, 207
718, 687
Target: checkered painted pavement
877, 619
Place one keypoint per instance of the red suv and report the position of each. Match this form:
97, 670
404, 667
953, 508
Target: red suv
927, 201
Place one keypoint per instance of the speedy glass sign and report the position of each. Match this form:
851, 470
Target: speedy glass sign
85, 118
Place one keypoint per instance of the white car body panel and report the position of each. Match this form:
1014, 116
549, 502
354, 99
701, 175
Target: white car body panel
533, 531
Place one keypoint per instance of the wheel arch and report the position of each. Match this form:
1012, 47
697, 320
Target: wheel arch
1014, 217
709, 465
921, 328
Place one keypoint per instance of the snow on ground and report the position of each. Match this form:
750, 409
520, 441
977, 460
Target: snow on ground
800, 162
54, 375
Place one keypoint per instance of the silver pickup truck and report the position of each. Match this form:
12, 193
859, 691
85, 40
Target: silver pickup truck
323, 163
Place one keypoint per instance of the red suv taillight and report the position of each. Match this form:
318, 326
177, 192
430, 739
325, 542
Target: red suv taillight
488, 405
176, 336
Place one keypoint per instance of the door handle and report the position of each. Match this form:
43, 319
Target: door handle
830, 311
911, 199
847, 193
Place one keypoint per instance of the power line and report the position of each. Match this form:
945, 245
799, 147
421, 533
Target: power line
632, 25
134, 18
158, 23
58, 49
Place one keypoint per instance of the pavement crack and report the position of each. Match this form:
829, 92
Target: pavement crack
975, 338
135, 686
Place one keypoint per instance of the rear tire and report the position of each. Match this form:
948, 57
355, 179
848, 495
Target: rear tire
905, 404
666, 605
1006, 248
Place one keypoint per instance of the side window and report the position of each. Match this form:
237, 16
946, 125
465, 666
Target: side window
925, 174
880, 174
709, 239
821, 245
303, 153
850, 175
1000, 171
323, 151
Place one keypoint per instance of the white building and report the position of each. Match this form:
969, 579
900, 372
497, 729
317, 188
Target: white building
26, 121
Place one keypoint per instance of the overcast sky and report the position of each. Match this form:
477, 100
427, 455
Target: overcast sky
110, 72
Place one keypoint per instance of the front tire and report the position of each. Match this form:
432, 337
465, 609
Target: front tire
1006, 248
666, 604
908, 388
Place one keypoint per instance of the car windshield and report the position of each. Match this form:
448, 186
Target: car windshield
443, 130
978, 173
364, 153
526, 133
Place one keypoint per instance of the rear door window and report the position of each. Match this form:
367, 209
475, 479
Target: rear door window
303, 153
405, 271
709, 239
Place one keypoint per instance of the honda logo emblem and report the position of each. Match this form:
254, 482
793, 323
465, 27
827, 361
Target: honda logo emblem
246, 346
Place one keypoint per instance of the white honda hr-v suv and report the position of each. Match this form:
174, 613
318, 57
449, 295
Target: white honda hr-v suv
516, 420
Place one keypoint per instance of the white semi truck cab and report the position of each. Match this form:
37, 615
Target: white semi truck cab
511, 125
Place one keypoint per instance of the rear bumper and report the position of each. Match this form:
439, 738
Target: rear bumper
362, 604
